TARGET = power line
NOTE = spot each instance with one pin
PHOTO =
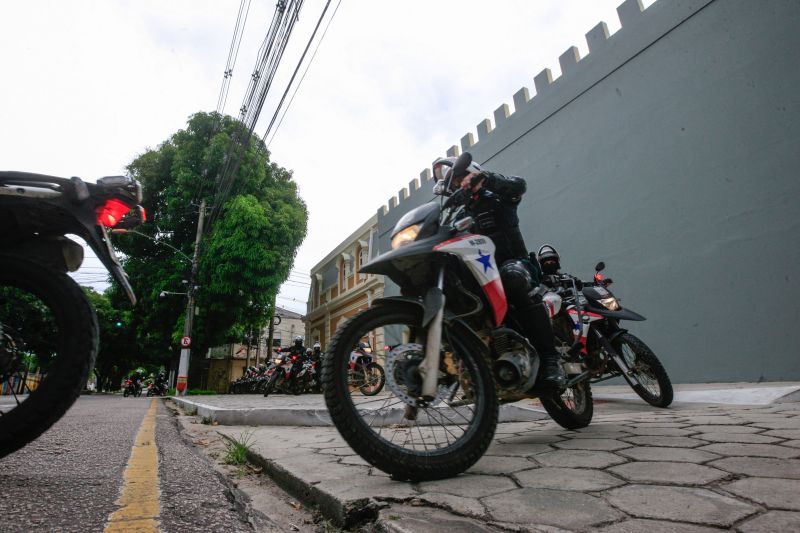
(233, 53)
(299, 63)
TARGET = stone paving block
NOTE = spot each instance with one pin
(516, 427)
(345, 450)
(567, 479)
(659, 431)
(788, 423)
(750, 450)
(716, 420)
(760, 466)
(490, 464)
(457, 504)
(660, 440)
(773, 492)
(569, 510)
(517, 450)
(344, 489)
(666, 472)
(746, 438)
(469, 485)
(791, 443)
(654, 526)
(530, 438)
(783, 433)
(354, 460)
(608, 435)
(602, 428)
(578, 459)
(771, 522)
(679, 455)
(408, 519)
(724, 429)
(608, 445)
(662, 424)
(695, 505)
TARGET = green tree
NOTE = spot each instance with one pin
(118, 351)
(244, 256)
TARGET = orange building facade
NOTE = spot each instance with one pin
(338, 291)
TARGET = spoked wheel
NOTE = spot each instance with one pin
(47, 322)
(573, 408)
(370, 379)
(655, 386)
(396, 431)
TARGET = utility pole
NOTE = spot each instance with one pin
(186, 352)
(271, 329)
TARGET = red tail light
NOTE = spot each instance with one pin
(111, 212)
(598, 277)
(387, 348)
(294, 358)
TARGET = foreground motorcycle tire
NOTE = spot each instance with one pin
(573, 408)
(372, 391)
(401, 463)
(645, 362)
(76, 323)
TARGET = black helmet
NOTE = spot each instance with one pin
(549, 259)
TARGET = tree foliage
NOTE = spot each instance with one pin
(118, 350)
(244, 256)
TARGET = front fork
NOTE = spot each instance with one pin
(618, 359)
(429, 367)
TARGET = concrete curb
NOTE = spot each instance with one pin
(310, 417)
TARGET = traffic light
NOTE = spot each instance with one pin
(118, 323)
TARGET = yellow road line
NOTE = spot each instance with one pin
(139, 501)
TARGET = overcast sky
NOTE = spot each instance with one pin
(89, 85)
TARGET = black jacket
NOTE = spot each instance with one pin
(494, 208)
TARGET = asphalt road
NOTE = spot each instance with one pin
(71, 477)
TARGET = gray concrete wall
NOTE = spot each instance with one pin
(672, 152)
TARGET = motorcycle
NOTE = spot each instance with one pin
(456, 352)
(586, 315)
(279, 376)
(131, 388)
(45, 318)
(157, 389)
(364, 373)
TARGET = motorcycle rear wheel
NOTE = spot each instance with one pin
(375, 428)
(573, 408)
(76, 331)
(655, 386)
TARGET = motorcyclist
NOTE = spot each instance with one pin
(137, 379)
(491, 199)
(161, 383)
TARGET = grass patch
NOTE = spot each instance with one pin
(200, 392)
(237, 448)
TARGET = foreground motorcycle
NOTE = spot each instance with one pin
(45, 318)
(456, 353)
(606, 349)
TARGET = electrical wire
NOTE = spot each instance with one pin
(299, 64)
(233, 53)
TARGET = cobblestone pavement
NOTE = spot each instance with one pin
(689, 470)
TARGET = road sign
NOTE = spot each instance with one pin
(186, 342)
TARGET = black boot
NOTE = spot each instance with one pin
(536, 323)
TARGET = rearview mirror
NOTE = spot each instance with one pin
(599, 266)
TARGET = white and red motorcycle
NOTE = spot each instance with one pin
(456, 352)
(586, 322)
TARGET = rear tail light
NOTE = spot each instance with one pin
(111, 212)
(598, 277)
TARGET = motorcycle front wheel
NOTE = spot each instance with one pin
(654, 386)
(573, 408)
(374, 379)
(394, 431)
(45, 321)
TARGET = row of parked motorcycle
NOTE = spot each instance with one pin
(135, 385)
(295, 370)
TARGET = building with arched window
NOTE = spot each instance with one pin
(338, 290)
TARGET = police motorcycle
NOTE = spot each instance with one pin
(365, 375)
(46, 319)
(586, 322)
(455, 356)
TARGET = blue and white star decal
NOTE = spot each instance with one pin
(485, 260)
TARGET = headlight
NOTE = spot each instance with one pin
(406, 236)
(610, 303)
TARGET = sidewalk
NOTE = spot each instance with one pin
(693, 468)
